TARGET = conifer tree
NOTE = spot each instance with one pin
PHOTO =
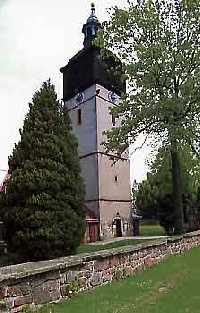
(43, 202)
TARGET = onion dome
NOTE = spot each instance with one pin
(91, 27)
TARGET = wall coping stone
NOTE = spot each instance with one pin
(20, 271)
(15, 272)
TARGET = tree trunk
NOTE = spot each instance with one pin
(177, 190)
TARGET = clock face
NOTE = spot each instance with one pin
(79, 97)
(112, 97)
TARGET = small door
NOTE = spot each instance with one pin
(118, 228)
(93, 232)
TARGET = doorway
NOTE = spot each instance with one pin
(118, 227)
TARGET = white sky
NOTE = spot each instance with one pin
(37, 37)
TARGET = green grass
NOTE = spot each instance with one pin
(93, 248)
(151, 230)
(145, 230)
(169, 287)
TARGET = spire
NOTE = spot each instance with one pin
(91, 27)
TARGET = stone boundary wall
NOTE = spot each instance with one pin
(46, 281)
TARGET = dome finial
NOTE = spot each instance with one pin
(93, 8)
(91, 27)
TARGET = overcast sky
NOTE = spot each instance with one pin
(37, 37)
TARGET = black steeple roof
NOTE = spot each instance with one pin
(88, 67)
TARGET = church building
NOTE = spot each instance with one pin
(90, 87)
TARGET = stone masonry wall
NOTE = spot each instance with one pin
(46, 281)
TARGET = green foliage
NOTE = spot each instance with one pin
(151, 230)
(158, 43)
(44, 196)
(72, 287)
(166, 213)
(146, 198)
(154, 195)
(118, 273)
(160, 168)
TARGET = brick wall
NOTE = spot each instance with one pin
(46, 281)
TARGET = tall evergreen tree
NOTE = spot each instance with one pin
(44, 196)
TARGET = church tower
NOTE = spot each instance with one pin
(90, 87)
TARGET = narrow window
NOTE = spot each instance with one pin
(113, 120)
(116, 179)
(79, 117)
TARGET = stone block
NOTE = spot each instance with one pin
(17, 309)
(64, 291)
(3, 292)
(107, 276)
(72, 275)
(46, 292)
(19, 301)
(88, 265)
(102, 265)
(14, 291)
(41, 279)
(149, 261)
(114, 261)
(21, 289)
(96, 279)
(9, 302)
(63, 278)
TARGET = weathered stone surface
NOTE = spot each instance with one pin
(88, 274)
(46, 292)
(64, 290)
(114, 261)
(10, 303)
(13, 291)
(149, 261)
(96, 279)
(17, 309)
(19, 301)
(88, 265)
(72, 275)
(3, 292)
(102, 265)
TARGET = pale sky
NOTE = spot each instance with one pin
(37, 37)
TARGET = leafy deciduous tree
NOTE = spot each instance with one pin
(155, 193)
(159, 44)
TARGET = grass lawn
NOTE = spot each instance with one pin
(93, 248)
(151, 230)
(170, 287)
(145, 230)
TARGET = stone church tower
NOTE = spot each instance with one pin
(89, 90)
